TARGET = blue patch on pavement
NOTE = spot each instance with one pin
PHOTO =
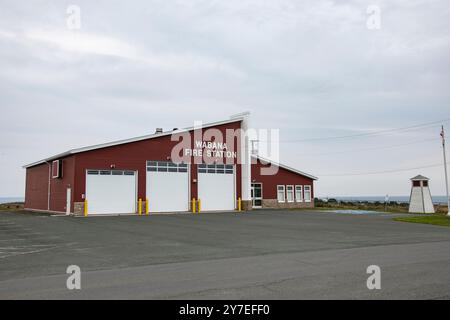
(357, 212)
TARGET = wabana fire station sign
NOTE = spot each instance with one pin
(210, 149)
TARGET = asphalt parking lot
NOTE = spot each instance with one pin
(257, 255)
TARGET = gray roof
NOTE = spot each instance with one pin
(236, 118)
(419, 177)
(285, 167)
(146, 137)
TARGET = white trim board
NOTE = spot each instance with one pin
(267, 161)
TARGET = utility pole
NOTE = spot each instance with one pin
(445, 169)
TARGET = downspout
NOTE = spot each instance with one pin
(48, 188)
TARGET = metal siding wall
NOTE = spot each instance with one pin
(36, 187)
(283, 177)
(36, 190)
(133, 156)
(59, 187)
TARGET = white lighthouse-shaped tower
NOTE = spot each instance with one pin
(420, 200)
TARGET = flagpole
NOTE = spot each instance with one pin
(445, 169)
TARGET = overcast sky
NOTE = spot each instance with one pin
(313, 69)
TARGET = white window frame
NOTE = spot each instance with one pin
(216, 168)
(56, 163)
(299, 191)
(284, 193)
(309, 191)
(166, 166)
(290, 188)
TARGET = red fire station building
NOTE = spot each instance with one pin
(167, 169)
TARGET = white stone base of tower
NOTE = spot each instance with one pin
(420, 201)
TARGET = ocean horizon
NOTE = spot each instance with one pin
(11, 199)
(400, 199)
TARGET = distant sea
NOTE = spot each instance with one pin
(11, 199)
(399, 199)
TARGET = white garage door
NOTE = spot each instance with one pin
(167, 186)
(111, 191)
(216, 188)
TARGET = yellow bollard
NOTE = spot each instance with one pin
(239, 204)
(199, 204)
(193, 205)
(140, 206)
(146, 206)
(85, 207)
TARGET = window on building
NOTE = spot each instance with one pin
(216, 168)
(166, 166)
(290, 193)
(307, 193)
(281, 194)
(299, 193)
(425, 183)
(57, 169)
(416, 183)
(110, 172)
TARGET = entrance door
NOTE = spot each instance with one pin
(257, 195)
(111, 191)
(216, 187)
(167, 186)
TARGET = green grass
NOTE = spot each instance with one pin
(377, 206)
(363, 206)
(438, 220)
